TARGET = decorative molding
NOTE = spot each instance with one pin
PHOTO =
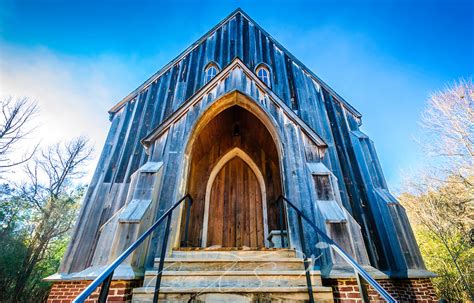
(206, 89)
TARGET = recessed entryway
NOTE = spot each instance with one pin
(234, 178)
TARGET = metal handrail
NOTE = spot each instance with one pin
(360, 272)
(105, 278)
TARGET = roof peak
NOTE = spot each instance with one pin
(234, 13)
(227, 72)
(238, 10)
(156, 75)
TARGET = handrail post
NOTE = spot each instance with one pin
(362, 288)
(107, 273)
(280, 221)
(189, 202)
(357, 268)
(307, 269)
(104, 290)
(162, 259)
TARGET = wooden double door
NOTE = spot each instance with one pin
(236, 210)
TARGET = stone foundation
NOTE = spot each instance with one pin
(403, 290)
(66, 291)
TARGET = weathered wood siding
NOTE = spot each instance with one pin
(239, 86)
(312, 100)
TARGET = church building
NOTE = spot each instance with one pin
(235, 174)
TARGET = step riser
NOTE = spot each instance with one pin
(231, 281)
(234, 266)
(238, 255)
(232, 276)
(320, 297)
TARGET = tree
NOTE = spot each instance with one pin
(439, 199)
(448, 123)
(442, 217)
(12, 248)
(15, 126)
(50, 198)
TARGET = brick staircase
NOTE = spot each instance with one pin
(232, 276)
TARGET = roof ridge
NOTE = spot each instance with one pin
(236, 11)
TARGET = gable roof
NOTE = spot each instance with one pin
(236, 63)
(168, 66)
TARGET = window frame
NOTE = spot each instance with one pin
(211, 65)
(332, 194)
(263, 66)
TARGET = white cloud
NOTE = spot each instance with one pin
(73, 93)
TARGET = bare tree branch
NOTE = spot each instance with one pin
(48, 189)
(15, 126)
(448, 123)
(440, 198)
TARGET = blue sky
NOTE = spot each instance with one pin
(78, 58)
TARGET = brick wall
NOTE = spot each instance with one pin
(403, 290)
(66, 291)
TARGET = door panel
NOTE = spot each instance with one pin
(235, 208)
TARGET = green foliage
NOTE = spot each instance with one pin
(37, 288)
(438, 260)
(36, 215)
(12, 252)
(18, 221)
(440, 198)
(442, 220)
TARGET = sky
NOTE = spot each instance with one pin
(77, 59)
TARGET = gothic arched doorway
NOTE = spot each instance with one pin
(234, 178)
(235, 212)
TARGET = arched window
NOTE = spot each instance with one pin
(211, 72)
(264, 74)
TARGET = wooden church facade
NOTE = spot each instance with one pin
(236, 121)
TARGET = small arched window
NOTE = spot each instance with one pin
(210, 72)
(264, 74)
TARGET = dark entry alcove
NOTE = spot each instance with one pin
(234, 162)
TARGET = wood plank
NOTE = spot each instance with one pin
(246, 205)
(230, 222)
(258, 214)
(253, 219)
(240, 208)
(235, 207)
(227, 207)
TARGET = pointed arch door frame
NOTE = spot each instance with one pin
(235, 152)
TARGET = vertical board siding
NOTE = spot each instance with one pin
(236, 37)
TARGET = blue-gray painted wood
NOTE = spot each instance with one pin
(387, 235)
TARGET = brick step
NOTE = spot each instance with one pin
(233, 294)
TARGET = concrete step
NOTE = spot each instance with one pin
(255, 278)
(224, 275)
(263, 254)
(234, 264)
(233, 294)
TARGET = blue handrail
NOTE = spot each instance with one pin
(357, 268)
(105, 277)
